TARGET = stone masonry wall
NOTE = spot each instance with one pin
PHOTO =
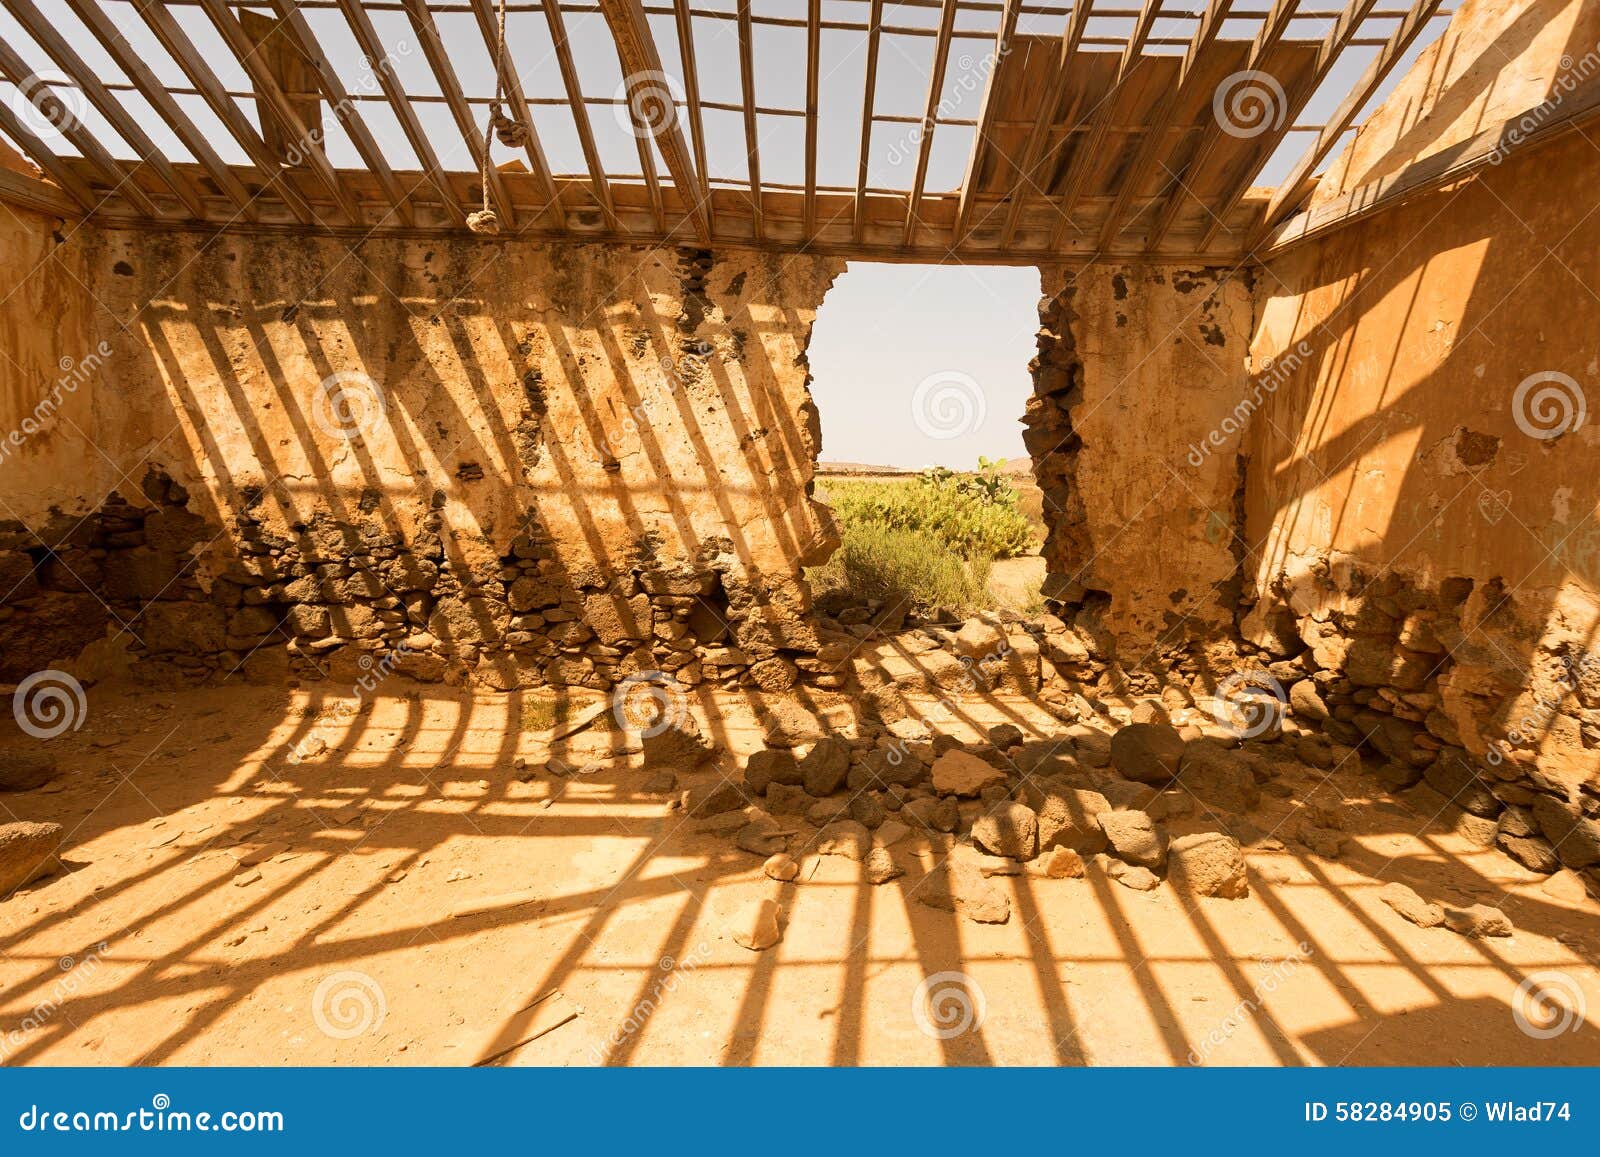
(508, 463)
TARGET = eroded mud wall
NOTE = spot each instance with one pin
(1139, 370)
(509, 463)
(1423, 487)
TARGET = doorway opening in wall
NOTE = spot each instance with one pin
(920, 375)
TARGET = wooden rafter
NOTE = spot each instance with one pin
(1267, 37)
(346, 111)
(641, 63)
(538, 164)
(813, 86)
(1032, 152)
(986, 118)
(1291, 189)
(691, 93)
(941, 60)
(119, 183)
(44, 32)
(54, 167)
(1174, 99)
(477, 142)
(1088, 157)
(752, 135)
(267, 169)
(275, 104)
(580, 111)
(372, 48)
(873, 36)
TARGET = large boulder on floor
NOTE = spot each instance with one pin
(1068, 816)
(677, 747)
(1404, 900)
(959, 885)
(1134, 838)
(931, 814)
(1218, 777)
(1010, 830)
(1207, 864)
(824, 767)
(845, 838)
(1576, 836)
(768, 766)
(711, 799)
(27, 851)
(789, 724)
(1147, 752)
(24, 770)
(958, 772)
(979, 638)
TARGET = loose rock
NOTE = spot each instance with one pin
(781, 867)
(881, 868)
(1010, 830)
(27, 851)
(1134, 838)
(961, 773)
(756, 926)
(844, 838)
(1147, 752)
(1207, 864)
(23, 770)
(1413, 907)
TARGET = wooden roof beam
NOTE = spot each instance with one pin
(813, 99)
(477, 141)
(44, 32)
(54, 167)
(580, 112)
(1290, 190)
(752, 135)
(941, 61)
(538, 165)
(986, 118)
(691, 92)
(641, 66)
(874, 34)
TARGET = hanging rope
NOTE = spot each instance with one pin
(510, 132)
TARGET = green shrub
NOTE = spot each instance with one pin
(910, 566)
(968, 515)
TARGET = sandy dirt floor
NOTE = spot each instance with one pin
(261, 876)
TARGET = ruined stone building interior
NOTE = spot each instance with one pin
(410, 522)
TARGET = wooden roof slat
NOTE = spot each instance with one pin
(691, 92)
(1174, 99)
(110, 107)
(987, 114)
(1290, 190)
(344, 109)
(270, 173)
(874, 35)
(1038, 136)
(813, 92)
(477, 141)
(538, 164)
(641, 63)
(941, 61)
(752, 135)
(366, 35)
(54, 166)
(119, 183)
(278, 106)
(580, 112)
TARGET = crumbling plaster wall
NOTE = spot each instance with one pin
(1138, 366)
(1426, 530)
(506, 462)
